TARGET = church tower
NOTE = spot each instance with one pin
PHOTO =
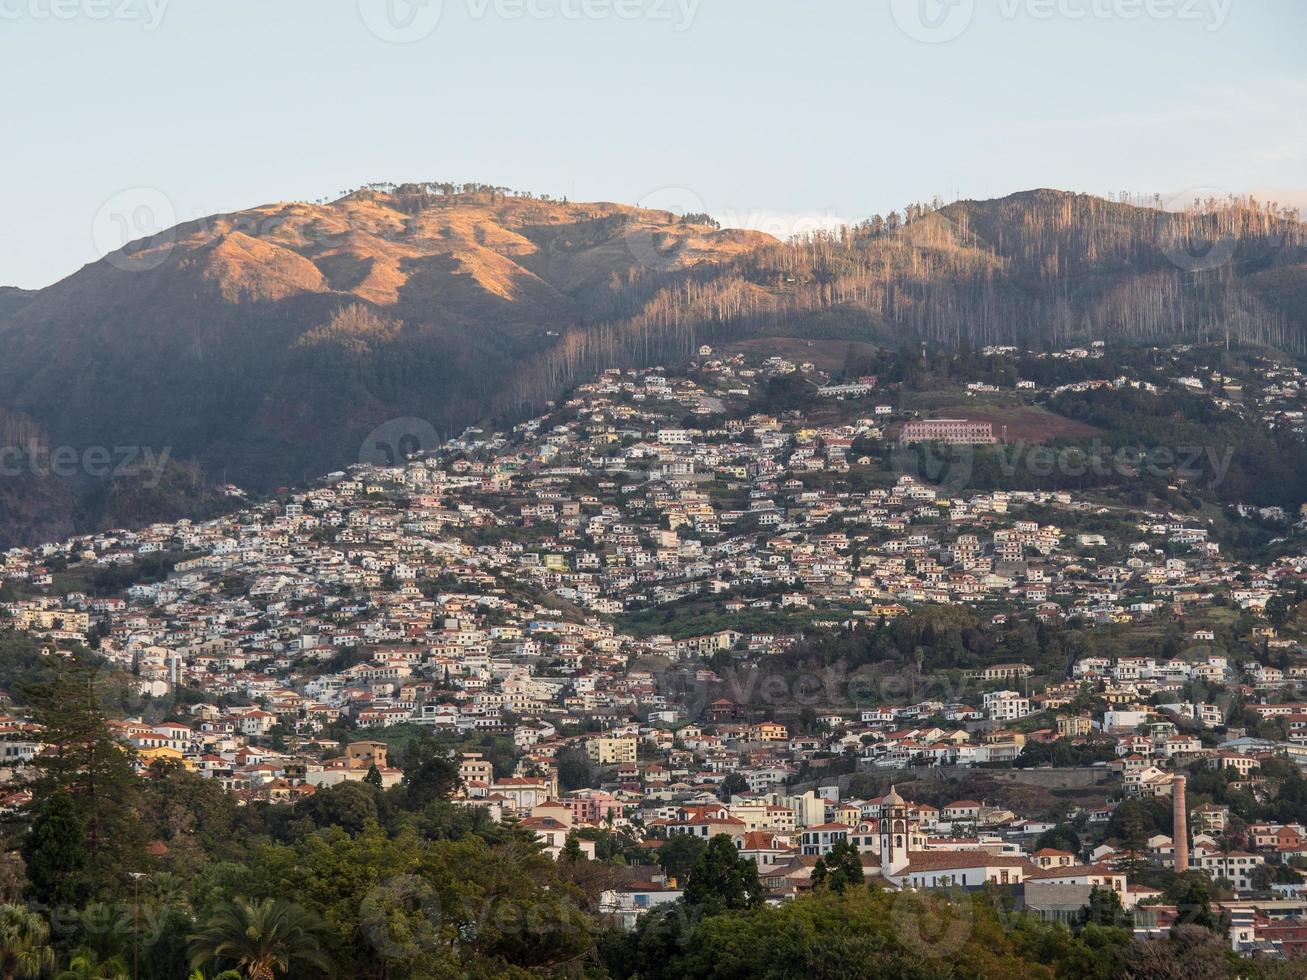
(896, 833)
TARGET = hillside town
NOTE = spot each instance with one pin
(674, 514)
(607, 614)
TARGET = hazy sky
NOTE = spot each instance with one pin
(123, 114)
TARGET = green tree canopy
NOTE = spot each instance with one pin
(722, 880)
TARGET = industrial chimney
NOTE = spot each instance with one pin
(1179, 825)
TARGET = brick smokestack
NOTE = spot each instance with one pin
(1179, 825)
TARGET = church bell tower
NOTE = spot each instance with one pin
(895, 833)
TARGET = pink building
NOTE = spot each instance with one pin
(593, 807)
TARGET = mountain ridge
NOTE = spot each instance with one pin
(265, 344)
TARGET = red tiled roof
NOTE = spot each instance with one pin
(949, 860)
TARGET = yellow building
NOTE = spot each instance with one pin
(1073, 726)
(161, 753)
(611, 751)
(771, 731)
(49, 619)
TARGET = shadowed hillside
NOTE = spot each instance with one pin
(265, 345)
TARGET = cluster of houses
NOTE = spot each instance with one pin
(510, 586)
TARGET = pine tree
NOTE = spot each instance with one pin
(840, 869)
(1104, 909)
(721, 880)
(92, 770)
(1193, 901)
(54, 852)
(572, 850)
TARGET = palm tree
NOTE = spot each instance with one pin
(105, 931)
(168, 890)
(86, 965)
(263, 938)
(23, 943)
